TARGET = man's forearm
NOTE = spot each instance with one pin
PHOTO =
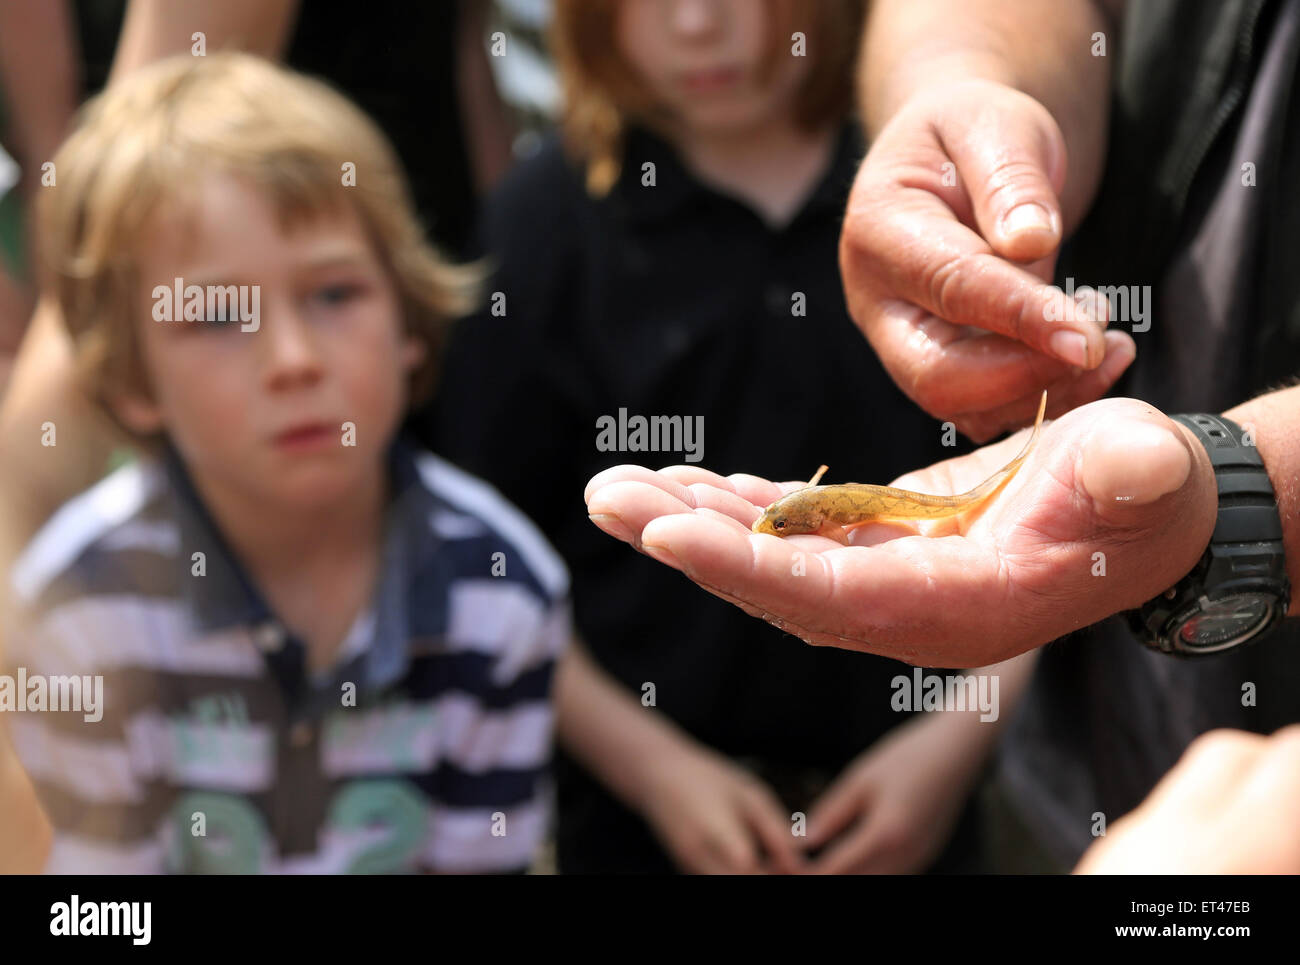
(1275, 421)
(1042, 49)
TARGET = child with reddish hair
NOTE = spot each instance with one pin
(672, 259)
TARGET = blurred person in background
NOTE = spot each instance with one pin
(288, 607)
(1158, 141)
(674, 255)
(53, 54)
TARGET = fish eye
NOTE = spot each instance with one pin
(779, 524)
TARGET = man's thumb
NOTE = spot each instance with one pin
(1132, 460)
(1013, 169)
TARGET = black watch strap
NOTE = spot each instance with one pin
(1247, 504)
(1246, 553)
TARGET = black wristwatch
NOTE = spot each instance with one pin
(1238, 591)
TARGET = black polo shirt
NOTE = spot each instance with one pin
(674, 299)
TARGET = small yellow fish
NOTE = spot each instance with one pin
(830, 509)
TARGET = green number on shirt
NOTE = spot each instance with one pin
(235, 835)
(236, 838)
(395, 806)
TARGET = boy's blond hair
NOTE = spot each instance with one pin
(142, 143)
(603, 92)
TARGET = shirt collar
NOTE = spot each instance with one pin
(225, 598)
(676, 187)
(832, 191)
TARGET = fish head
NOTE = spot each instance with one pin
(789, 517)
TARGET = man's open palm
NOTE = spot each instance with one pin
(1115, 478)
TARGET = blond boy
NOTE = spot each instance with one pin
(320, 649)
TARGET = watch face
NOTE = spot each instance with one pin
(1225, 623)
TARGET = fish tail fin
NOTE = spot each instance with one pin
(1003, 474)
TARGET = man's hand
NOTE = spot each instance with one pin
(1114, 506)
(1227, 808)
(947, 253)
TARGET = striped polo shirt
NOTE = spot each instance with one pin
(426, 746)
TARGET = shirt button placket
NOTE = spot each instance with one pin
(777, 298)
(269, 637)
(301, 734)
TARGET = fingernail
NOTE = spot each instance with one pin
(662, 554)
(1148, 443)
(1133, 464)
(1070, 347)
(1093, 308)
(1030, 216)
(614, 526)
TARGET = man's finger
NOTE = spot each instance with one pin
(947, 371)
(879, 597)
(1066, 393)
(945, 268)
(632, 473)
(1012, 165)
(692, 475)
(724, 502)
(1130, 463)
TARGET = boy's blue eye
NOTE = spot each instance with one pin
(337, 294)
